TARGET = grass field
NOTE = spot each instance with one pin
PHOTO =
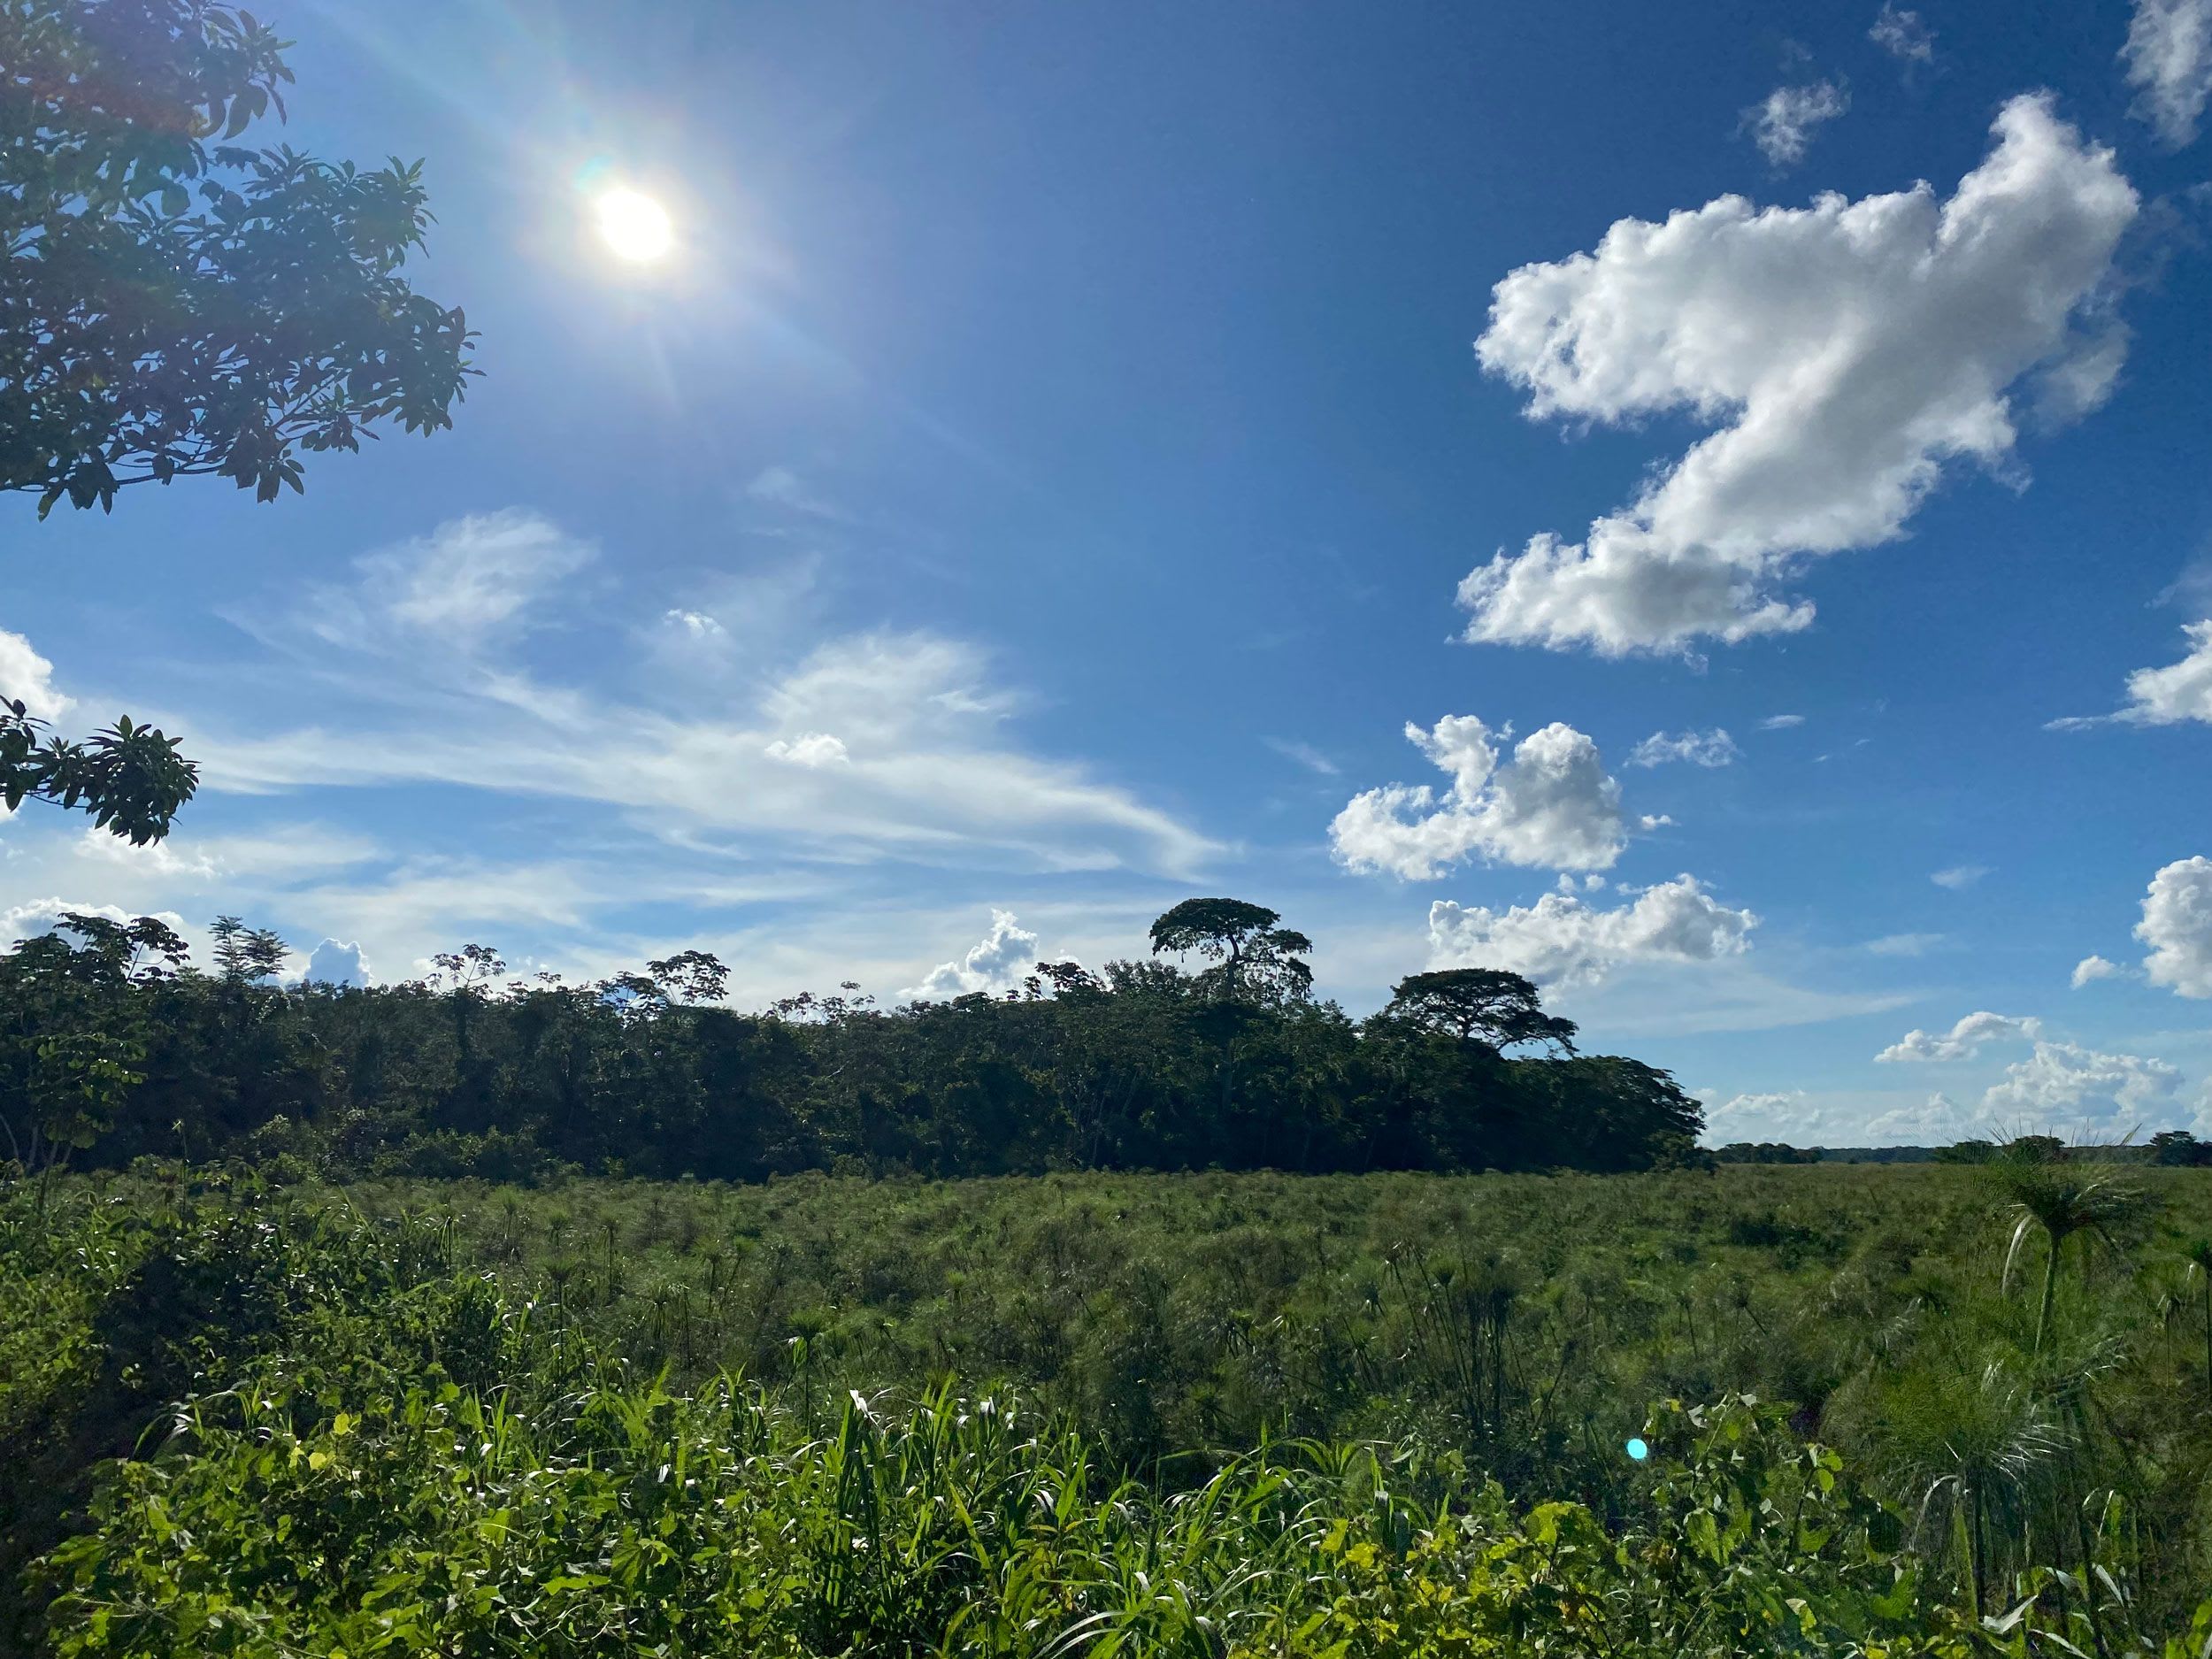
(1234, 1336)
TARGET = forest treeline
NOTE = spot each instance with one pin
(1211, 1053)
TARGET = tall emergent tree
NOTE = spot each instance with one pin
(173, 303)
(1486, 1005)
(1252, 956)
(1256, 964)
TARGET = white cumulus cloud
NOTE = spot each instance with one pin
(1845, 351)
(337, 962)
(1964, 1041)
(2168, 58)
(2177, 925)
(994, 964)
(696, 625)
(36, 917)
(1938, 1121)
(2063, 1083)
(28, 679)
(1709, 749)
(2091, 968)
(2163, 696)
(1782, 124)
(1790, 1116)
(808, 749)
(1810, 1119)
(1561, 940)
(1551, 805)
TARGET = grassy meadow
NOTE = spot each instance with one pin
(1100, 1413)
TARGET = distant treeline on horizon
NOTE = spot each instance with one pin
(2171, 1147)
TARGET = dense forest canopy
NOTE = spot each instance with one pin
(113, 1046)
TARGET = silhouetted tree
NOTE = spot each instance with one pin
(2178, 1148)
(1253, 957)
(244, 955)
(691, 976)
(1486, 1005)
(1255, 963)
(131, 779)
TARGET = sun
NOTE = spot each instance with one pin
(634, 225)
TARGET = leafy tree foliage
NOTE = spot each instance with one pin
(691, 976)
(131, 780)
(74, 1031)
(2179, 1149)
(1765, 1152)
(1481, 1004)
(173, 303)
(1252, 957)
(244, 956)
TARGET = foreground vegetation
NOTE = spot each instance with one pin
(1205, 1414)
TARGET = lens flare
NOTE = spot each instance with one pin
(634, 225)
(1637, 1449)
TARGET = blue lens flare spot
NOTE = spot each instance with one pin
(1637, 1450)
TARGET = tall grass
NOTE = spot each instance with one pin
(1250, 1414)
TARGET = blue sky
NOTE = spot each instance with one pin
(1068, 448)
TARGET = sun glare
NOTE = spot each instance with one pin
(634, 225)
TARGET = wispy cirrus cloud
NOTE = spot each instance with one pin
(885, 743)
(1304, 755)
(1783, 123)
(1709, 749)
(779, 486)
(2168, 58)
(469, 582)
(1903, 35)
(1904, 944)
